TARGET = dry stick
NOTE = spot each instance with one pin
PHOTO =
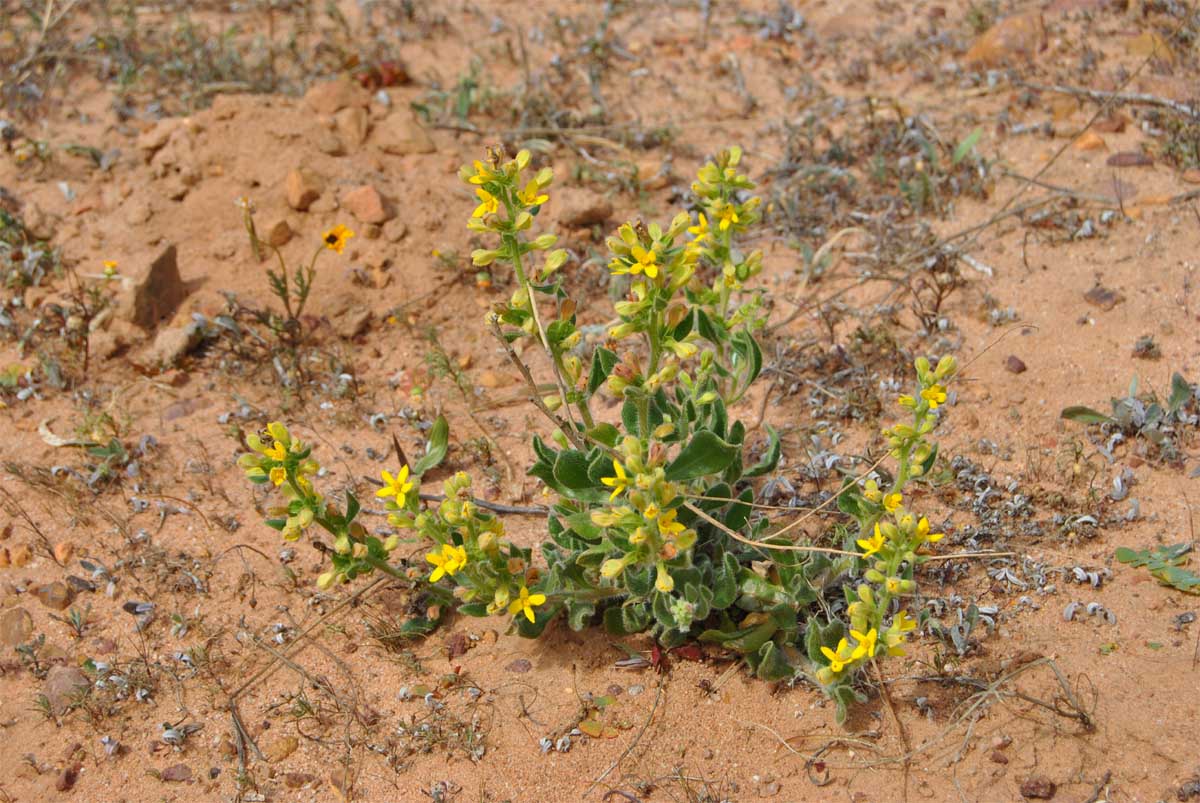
(569, 431)
(1136, 98)
(298, 643)
(887, 699)
(624, 753)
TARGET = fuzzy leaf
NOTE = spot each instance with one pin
(1084, 415)
(435, 448)
(705, 454)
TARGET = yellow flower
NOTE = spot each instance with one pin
(700, 230)
(525, 603)
(668, 526)
(866, 643)
(894, 637)
(894, 585)
(663, 581)
(397, 486)
(907, 402)
(873, 544)
(839, 659)
(924, 534)
(447, 562)
(619, 482)
(483, 174)
(276, 452)
(892, 501)
(646, 262)
(532, 195)
(871, 491)
(728, 216)
(488, 204)
(110, 269)
(278, 475)
(335, 239)
(935, 395)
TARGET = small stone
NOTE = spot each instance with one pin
(227, 749)
(1016, 38)
(366, 204)
(63, 687)
(998, 757)
(1129, 159)
(303, 187)
(654, 175)
(171, 346)
(1014, 365)
(278, 749)
(63, 551)
(1090, 141)
(20, 555)
(150, 293)
(279, 233)
(1102, 297)
(395, 230)
(16, 627)
(296, 780)
(520, 666)
(330, 97)
(1191, 175)
(489, 380)
(1038, 788)
(457, 645)
(55, 596)
(37, 223)
(177, 773)
(329, 144)
(1113, 123)
(67, 778)
(352, 125)
(587, 212)
(399, 134)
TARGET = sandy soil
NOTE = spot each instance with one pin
(240, 636)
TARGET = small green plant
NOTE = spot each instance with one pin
(1146, 417)
(652, 527)
(76, 619)
(1165, 563)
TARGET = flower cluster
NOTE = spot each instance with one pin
(644, 528)
(490, 574)
(285, 463)
(892, 538)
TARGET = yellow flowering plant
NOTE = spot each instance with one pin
(291, 288)
(651, 528)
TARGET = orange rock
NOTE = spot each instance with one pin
(1191, 176)
(1015, 38)
(1090, 141)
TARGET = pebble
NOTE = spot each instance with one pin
(278, 749)
(1038, 788)
(1014, 364)
(366, 204)
(302, 188)
(16, 627)
(63, 686)
(55, 596)
(177, 773)
(521, 666)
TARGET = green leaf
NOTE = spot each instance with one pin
(435, 448)
(603, 361)
(571, 469)
(1084, 415)
(352, 507)
(769, 460)
(1181, 391)
(966, 146)
(605, 433)
(705, 454)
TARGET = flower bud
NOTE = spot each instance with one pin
(326, 580)
(544, 241)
